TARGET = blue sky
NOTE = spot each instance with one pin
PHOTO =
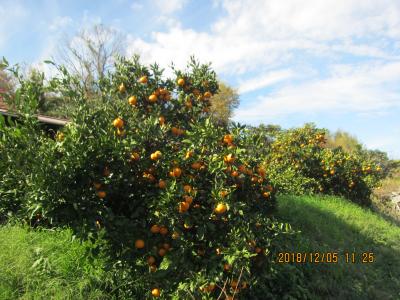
(334, 62)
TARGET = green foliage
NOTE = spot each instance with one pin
(126, 164)
(300, 163)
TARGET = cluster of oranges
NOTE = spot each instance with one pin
(173, 168)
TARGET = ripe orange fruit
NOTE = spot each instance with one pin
(187, 188)
(101, 194)
(135, 156)
(332, 172)
(122, 88)
(220, 208)
(181, 82)
(153, 98)
(266, 194)
(162, 252)
(139, 244)
(235, 174)
(155, 229)
(229, 158)
(227, 267)
(151, 260)
(188, 199)
(118, 123)
(163, 230)
(183, 207)
(132, 100)
(223, 193)
(258, 250)
(228, 139)
(207, 94)
(156, 155)
(176, 172)
(161, 120)
(196, 165)
(188, 154)
(97, 185)
(242, 168)
(156, 292)
(166, 246)
(143, 79)
(261, 171)
(162, 184)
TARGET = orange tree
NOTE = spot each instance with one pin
(298, 162)
(181, 201)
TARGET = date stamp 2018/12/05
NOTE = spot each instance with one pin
(325, 257)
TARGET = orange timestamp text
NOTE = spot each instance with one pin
(324, 257)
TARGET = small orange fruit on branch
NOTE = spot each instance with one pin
(156, 293)
(181, 82)
(143, 79)
(101, 194)
(132, 100)
(118, 123)
(220, 208)
(155, 229)
(153, 98)
(139, 244)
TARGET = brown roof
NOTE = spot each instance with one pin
(44, 119)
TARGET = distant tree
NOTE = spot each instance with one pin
(90, 54)
(348, 142)
(223, 103)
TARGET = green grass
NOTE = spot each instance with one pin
(330, 224)
(50, 264)
(44, 264)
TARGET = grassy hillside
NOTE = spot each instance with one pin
(47, 265)
(330, 224)
(52, 265)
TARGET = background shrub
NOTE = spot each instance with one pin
(300, 163)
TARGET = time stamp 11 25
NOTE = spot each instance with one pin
(325, 257)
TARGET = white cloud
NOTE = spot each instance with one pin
(59, 23)
(368, 88)
(264, 80)
(269, 33)
(11, 15)
(167, 7)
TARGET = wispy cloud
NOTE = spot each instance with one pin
(358, 88)
(264, 80)
(11, 14)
